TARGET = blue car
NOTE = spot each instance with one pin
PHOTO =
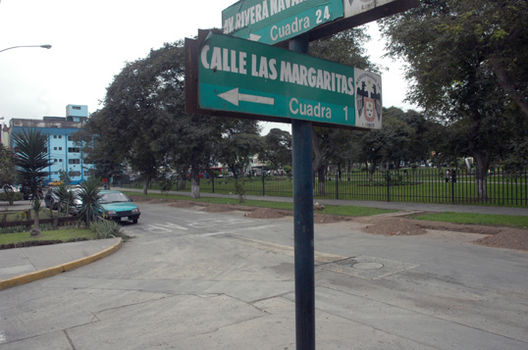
(116, 205)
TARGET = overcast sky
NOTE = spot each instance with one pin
(92, 41)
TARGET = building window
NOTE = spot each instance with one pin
(54, 136)
(75, 173)
(74, 161)
(54, 148)
(74, 149)
(60, 160)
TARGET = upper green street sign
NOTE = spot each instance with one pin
(273, 21)
(255, 80)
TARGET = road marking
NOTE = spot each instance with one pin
(212, 234)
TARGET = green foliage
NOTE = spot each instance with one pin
(7, 174)
(106, 229)
(464, 61)
(31, 158)
(240, 141)
(10, 196)
(89, 195)
(66, 198)
(277, 149)
(64, 235)
(477, 219)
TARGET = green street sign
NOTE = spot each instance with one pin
(265, 82)
(273, 21)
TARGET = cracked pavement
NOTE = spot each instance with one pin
(197, 280)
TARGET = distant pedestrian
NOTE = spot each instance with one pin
(447, 176)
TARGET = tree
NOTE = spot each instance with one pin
(196, 140)
(139, 111)
(89, 196)
(465, 64)
(144, 124)
(7, 172)
(277, 148)
(330, 144)
(31, 158)
(99, 147)
(241, 141)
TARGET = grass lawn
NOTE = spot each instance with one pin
(477, 219)
(349, 210)
(345, 210)
(64, 235)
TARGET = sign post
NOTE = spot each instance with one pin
(229, 76)
(303, 227)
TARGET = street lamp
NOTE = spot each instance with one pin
(46, 46)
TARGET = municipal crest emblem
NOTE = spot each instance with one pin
(368, 99)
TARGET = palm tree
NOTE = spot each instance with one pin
(66, 198)
(89, 196)
(31, 157)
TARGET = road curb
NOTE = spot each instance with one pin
(52, 271)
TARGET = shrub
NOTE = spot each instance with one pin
(106, 229)
(17, 196)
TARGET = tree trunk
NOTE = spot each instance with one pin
(146, 184)
(183, 182)
(35, 231)
(481, 176)
(321, 181)
(195, 181)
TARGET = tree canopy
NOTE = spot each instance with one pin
(466, 68)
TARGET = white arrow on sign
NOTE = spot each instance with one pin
(233, 96)
(254, 37)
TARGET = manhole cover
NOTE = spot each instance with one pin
(367, 266)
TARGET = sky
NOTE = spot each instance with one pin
(92, 41)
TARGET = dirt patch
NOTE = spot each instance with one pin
(507, 238)
(493, 236)
(267, 213)
(392, 226)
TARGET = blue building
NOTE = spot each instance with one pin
(65, 155)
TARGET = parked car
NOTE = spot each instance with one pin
(51, 199)
(77, 202)
(116, 205)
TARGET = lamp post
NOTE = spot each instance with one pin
(46, 46)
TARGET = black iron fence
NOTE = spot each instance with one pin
(425, 185)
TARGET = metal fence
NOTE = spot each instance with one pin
(425, 185)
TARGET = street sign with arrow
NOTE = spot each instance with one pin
(237, 76)
(273, 21)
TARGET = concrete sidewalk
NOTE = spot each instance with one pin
(478, 209)
(23, 265)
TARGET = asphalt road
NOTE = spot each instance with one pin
(199, 280)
